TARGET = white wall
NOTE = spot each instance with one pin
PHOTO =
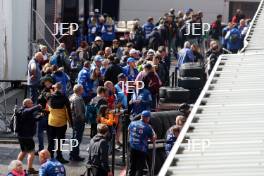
(14, 38)
(130, 9)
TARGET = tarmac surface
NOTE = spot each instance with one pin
(9, 147)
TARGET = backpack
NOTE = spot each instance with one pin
(90, 113)
(151, 82)
(16, 121)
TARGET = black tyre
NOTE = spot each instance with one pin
(163, 100)
(195, 94)
(191, 70)
(156, 125)
(162, 92)
(162, 121)
(190, 82)
(177, 95)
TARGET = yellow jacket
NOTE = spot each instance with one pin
(58, 117)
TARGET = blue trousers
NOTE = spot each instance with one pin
(42, 126)
(33, 93)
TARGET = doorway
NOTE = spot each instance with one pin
(248, 8)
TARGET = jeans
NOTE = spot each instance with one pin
(33, 93)
(42, 126)
(77, 133)
(55, 133)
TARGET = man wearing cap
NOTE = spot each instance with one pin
(134, 53)
(130, 70)
(97, 45)
(97, 62)
(139, 133)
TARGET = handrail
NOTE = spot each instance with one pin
(187, 125)
(47, 43)
(46, 26)
(251, 26)
(4, 94)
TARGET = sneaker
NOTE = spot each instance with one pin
(78, 159)
(32, 171)
(62, 160)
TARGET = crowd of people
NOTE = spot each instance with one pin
(102, 79)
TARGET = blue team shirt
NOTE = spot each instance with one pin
(170, 140)
(52, 168)
(145, 98)
(139, 133)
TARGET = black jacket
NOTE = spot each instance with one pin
(27, 124)
(112, 72)
(98, 152)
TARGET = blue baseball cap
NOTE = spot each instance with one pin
(131, 59)
(146, 114)
(98, 58)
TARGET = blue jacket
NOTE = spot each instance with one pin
(148, 28)
(224, 31)
(63, 78)
(108, 32)
(121, 97)
(130, 77)
(92, 32)
(144, 96)
(139, 133)
(52, 167)
(170, 140)
(233, 39)
(85, 80)
(185, 56)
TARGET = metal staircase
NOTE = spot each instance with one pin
(229, 115)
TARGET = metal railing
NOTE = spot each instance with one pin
(3, 115)
(251, 26)
(40, 32)
(187, 125)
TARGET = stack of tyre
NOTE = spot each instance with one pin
(191, 77)
(174, 95)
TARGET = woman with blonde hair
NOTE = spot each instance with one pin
(108, 32)
(16, 169)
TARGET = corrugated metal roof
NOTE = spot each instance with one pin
(228, 117)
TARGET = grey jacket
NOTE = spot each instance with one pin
(78, 109)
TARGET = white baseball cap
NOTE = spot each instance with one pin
(98, 38)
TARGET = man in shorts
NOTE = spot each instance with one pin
(26, 123)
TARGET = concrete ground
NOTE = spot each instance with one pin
(9, 148)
